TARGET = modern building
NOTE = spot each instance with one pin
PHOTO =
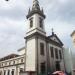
(69, 61)
(73, 37)
(41, 55)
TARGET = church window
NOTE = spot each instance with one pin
(60, 54)
(42, 48)
(56, 53)
(31, 22)
(43, 68)
(52, 53)
(41, 23)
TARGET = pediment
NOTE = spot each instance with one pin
(55, 38)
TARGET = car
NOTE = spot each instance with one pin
(58, 73)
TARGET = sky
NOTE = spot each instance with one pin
(60, 15)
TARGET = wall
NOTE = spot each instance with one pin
(30, 55)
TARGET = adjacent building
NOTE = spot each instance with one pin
(41, 55)
(73, 37)
(68, 59)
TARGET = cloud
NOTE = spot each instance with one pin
(63, 11)
(13, 14)
(60, 15)
(12, 35)
(13, 9)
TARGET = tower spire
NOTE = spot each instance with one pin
(35, 5)
(35, 9)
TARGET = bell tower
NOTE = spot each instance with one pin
(35, 19)
(35, 40)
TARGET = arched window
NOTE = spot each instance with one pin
(52, 52)
(41, 23)
(43, 68)
(56, 53)
(0, 72)
(42, 48)
(31, 22)
(60, 54)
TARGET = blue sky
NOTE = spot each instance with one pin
(60, 15)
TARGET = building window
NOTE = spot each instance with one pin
(21, 69)
(5, 63)
(21, 60)
(57, 66)
(60, 54)
(52, 53)
(0, 72)
(42, 48)
(13, 62)
(56, 53)
(31, 22)
(8, 72)
(9, 62)
(0, 64)
(4, 72)
(12, 72)
(43, 68)
(41, 23)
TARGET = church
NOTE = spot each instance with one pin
(41, 55)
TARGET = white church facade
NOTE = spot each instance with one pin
(42, 54)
